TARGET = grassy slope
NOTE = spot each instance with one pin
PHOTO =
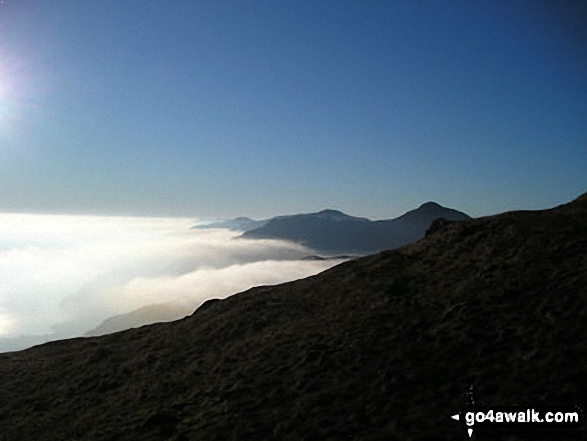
(380, 348)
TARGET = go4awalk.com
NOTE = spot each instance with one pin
(516, 419)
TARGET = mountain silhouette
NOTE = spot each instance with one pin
(384, 347)
(333, 232)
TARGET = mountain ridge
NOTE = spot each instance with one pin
(333, 232)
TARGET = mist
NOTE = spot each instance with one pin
(62, 276)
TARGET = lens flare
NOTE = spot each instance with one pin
(19, 94)
(8, 108)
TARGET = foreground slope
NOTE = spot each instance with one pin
(379, 348)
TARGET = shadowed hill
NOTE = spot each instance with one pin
(379, 348)
(333, 232)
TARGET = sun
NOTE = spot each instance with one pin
(8, 98)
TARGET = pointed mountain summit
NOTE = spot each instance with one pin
(333, 232)
(385, 347)
(430, 211)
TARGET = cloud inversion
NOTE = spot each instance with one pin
(61, 275)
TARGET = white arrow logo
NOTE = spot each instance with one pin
(456, 418)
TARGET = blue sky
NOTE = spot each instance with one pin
(260, 108)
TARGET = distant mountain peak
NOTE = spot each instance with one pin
(430, 204)
(243, 219)
(327, 214)
(332, 232)
(330, 211)
(237, 224)
(428, 212)
(333, 215)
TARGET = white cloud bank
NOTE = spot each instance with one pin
(61, 276)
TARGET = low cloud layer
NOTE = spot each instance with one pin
(62, 276)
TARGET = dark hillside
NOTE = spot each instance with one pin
(379, 348)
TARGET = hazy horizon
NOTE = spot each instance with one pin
(201, 219)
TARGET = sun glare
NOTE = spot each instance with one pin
(6, 110)
(15, 93)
